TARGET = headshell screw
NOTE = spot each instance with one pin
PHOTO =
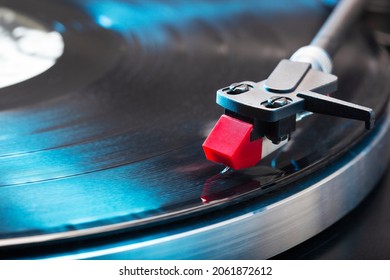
(238, 88)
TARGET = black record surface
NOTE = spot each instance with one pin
(112, 134)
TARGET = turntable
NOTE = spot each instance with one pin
(104, 109)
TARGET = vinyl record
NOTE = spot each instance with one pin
(101, 153)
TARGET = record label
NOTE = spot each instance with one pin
(27, 48)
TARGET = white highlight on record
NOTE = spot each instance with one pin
(25, 51)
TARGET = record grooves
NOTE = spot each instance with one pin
(107, 142)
